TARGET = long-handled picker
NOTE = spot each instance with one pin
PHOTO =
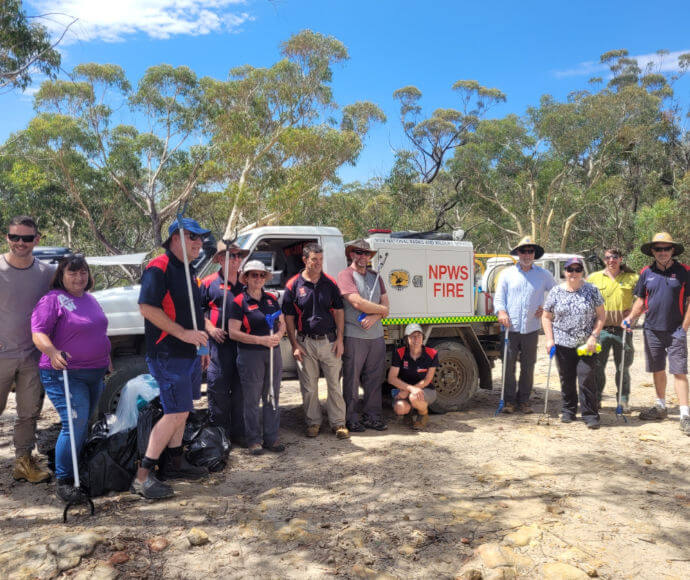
(544, 418)
(270, 320)
(502, 402)
(619, 406)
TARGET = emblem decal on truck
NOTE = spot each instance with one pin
(417, 281)
(399, 279)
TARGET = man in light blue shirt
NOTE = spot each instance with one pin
(518, 304)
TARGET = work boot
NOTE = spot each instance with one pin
(341, 432)
(373, 423)
(152, 488)
(525, 408)
(509, 408)
(27, 468)
(420, 422)
(655, 413)
(313, 430)
(179, 468)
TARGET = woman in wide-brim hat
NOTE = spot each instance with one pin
(662, 238)
(528, 242)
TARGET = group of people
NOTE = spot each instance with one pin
(333, 326)
(583, 320)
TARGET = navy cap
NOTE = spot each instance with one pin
(188, 224)
(573, 261)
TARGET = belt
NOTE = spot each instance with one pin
(314, 336)
(610, 328)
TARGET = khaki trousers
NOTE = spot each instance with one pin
(29, 397)
(319, 353)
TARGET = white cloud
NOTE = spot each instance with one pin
(114, 20)
(666, 63)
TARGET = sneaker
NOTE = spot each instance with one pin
(567, 418)
(313, 430)
(593, 424)
(374, 423)
(355, 427)
(509, 408)
(275, 447)
(685, 425)
(525, 408)
(655, 413)
(183, 470)
(256, 449)
(341, 432)
(151, 488)
(27, 468)
(420, 422)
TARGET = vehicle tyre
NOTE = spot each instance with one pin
(126, 368)
(457, 378)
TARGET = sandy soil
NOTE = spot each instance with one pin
(473, 496)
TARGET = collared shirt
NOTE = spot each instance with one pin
(520, 293)
(163, 285)
(252, 313)
(664, 293)
(414, 370)
(212, 289)
(312, 304)
(617, 293)
(352, 282)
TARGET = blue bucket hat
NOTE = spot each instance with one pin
(188, 224)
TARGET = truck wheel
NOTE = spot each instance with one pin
(456, 380)
(126, 368)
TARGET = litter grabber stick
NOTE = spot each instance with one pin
(502, 402)
(225, 291)
(544, 419)
(80, 497)
(382, 263)
(619, 407)
(200, 350)
(270, 320)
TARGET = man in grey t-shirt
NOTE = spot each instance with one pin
(23, 280)
(364, 357)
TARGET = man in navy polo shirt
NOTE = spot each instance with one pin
(225, 401)
(315, 321)
(171, 354)
(661, 293)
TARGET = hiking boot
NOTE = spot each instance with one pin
(355, 427)
(655, 413)
(151, 488)
(256, 449)
(525, 408)
(509, 408)
(373, 423)
(66, 491)
(341, 432)
(179, 468)
(420, 422)
(275, 447)
(27, 468)
(313, 430)
(567, 418)
(685, 425)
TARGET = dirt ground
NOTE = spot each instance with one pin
(472, 497)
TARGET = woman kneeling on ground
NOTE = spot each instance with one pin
(70, 328)
(411, 373)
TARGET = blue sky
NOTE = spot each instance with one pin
(526, 49)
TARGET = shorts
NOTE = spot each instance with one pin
(659, 343)
(429, 395)
(179, 380)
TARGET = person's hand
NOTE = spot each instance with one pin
(539, 312)
(504, 319)
(298, 353)
(369, 320)
(57, 361)
(591, 344)
(549, 345)
(627, 323)
(205, 361)
(270, 341)
(217, 334)
(338, 347)
(416, 394)
(196, 337)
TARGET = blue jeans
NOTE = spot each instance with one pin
(85, 387)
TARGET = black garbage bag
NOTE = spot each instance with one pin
(210, 448)
(148, 417)
(195, 422)
(108, 463)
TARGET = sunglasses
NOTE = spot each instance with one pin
(192, 236)
(28, 238)
(360, 252)
(256, 275)
(525, 250)
(234, 256)
(575, 269)
(612, 257)
(662, 248)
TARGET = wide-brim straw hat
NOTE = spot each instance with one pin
(223, 247)
(359, 245)
(252, 266)
(662, 238)
(528, 241)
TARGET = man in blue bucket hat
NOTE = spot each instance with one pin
(171, 354)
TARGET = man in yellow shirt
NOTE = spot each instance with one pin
(616, 283)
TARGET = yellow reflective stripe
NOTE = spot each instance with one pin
(438, 320)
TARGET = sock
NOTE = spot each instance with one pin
(661, 403)
(684, 411)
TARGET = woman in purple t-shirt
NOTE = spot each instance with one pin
(69, 327)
